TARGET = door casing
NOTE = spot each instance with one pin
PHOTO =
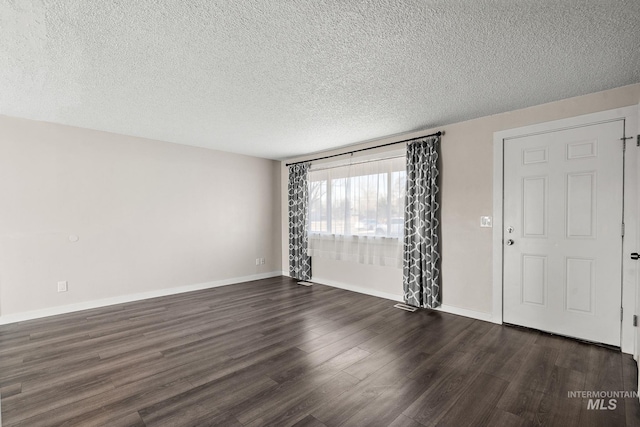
(629, 267)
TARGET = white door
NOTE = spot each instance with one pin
(563, 200)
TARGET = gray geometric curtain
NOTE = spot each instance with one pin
(299, 260)
(421, 252)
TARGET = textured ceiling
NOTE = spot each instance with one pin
(277, 79)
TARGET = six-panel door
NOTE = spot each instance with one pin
(563, 200)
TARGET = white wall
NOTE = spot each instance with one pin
(149, 215)
(467, 194)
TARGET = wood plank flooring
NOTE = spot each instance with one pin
(272, 353)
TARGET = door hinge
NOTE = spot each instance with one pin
(621, 318)
(638, 141)
(622, 229)
(635, 320)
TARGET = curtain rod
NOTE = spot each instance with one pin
(439, 133)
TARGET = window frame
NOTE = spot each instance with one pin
(328, 208)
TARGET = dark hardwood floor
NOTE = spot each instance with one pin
(274, 353)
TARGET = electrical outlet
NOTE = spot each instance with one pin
(62, 286)
(261, 261)
(257, 261)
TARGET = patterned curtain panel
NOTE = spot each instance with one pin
(421, 253)
(299, 260)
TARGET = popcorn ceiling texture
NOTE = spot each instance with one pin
(277, 79)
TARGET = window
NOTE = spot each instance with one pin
(356, 211)
(365, 199)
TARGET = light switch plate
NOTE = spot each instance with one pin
(486, 221)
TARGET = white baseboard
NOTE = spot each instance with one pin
(63, 309)
(478, 315)
(36, 314)
(359, 289)
(487, 317)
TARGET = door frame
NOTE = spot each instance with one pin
(636, 333)
(631, 217)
